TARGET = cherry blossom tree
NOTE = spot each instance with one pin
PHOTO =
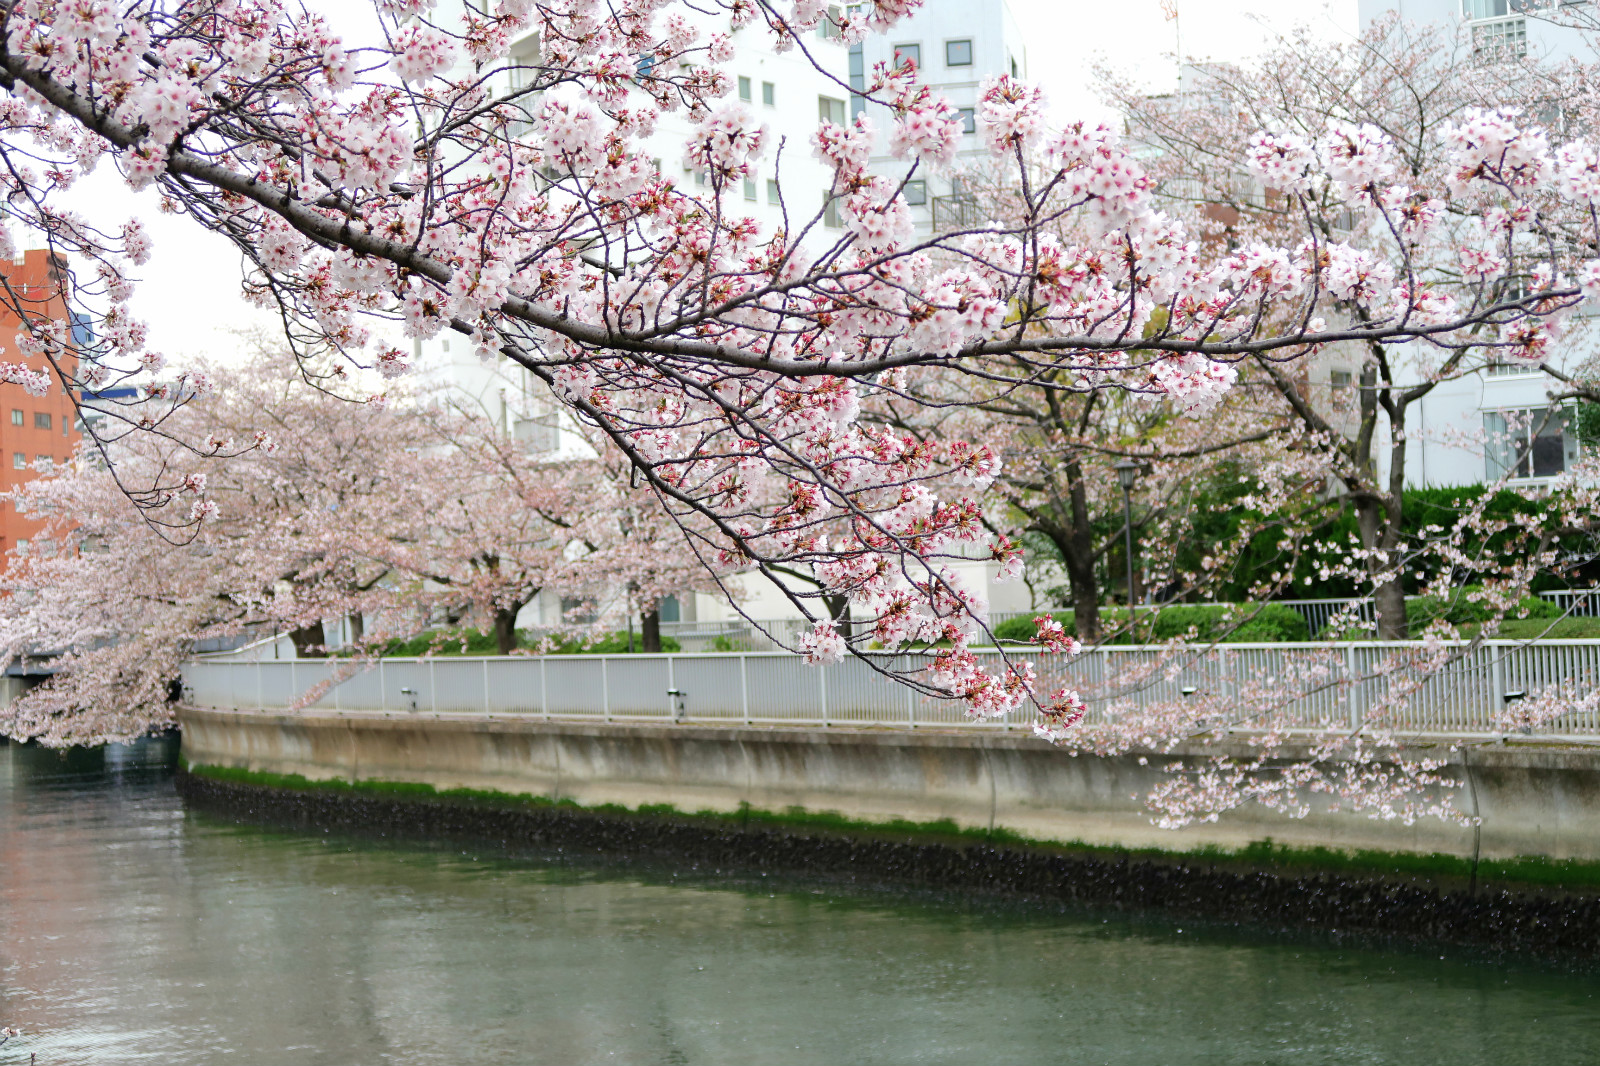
(386, 188)
(1410, 112)
(312, 507)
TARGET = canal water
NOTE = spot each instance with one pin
(133, 931)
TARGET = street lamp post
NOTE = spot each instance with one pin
(1127, 473)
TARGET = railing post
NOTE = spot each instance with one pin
(911, 707)
(605, 689)
(294, 680)
(822, 686)
(260, 699)
(672, 690)
(1351, 696)
(544, 688)
(383, 691)
(744, 687)
(433, 686)
(486, 711)
(1497, 680)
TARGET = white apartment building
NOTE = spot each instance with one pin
(955, 44)
(785, 92)
(1466, 430)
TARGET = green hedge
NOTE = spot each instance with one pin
(482, 642)
(1250, 623)
(1458, 609)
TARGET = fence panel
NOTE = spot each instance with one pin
(457, 686)
(1307, 686)
(574, 686)
(516, 685)
(784, 689)
(636, 686)
(712, 686)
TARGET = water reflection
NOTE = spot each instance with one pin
(131, 932)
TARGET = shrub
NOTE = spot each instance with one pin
(1020, 630)
(482, 642)
(1244, 624)
(609, 644)
(1458, 609)
(1250, 624)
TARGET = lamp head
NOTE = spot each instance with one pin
(1127, 472)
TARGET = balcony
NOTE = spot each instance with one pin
(957, 211)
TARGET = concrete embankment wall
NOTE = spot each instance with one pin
(1531, 800)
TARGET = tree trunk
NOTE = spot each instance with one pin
(839, 611)
(1085, 595)
(506, 637)
(650, 631)
(310, 642)
(1380, 533)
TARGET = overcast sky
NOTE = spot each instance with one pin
(190, 292)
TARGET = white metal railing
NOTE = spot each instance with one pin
(1311, 685)
(1580, 603)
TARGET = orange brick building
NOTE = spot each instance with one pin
(33, 429)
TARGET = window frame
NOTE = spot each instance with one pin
(769, 94)
(954, 41)
(1497, 452)
(915, 188)
(915, 46)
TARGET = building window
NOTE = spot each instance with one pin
(43, 462)
(669, 610)
(1014, 73)
(969, 119)
(916, 192)
(1497, 42)
(744, 89)
(828, 27)
(772, 192)
(858, 81)
(576, 610)
(22, 545)
(1500, 370)
(539, 433)
(1339, 379)
(19, 461)
(769, 94)
(830, 211)
(16, 417)
(958, 53)
(830, 110)
(41, 420)
(1527, 444)
(908, 53)
(750, 189)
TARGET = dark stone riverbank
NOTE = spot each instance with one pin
(1550, 924)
